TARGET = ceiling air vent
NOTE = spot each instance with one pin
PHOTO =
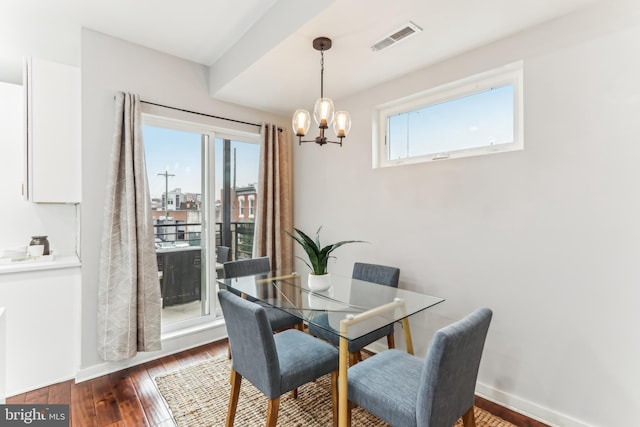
(401, 34)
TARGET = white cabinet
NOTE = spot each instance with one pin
(42, 327)
(3, 364)
(52, 101)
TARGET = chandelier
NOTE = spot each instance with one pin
(323, 111)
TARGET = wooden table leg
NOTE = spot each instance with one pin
(349, 320)
(407, 335)
(342, 384)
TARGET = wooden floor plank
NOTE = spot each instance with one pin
(60, 393)
(155, 367)
(131, 409)
(18, 399)
(83, 411)
(152, 402)
(202, 353)
(171, 363)
(38, 396)
(107, 410)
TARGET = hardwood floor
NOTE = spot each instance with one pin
(129, 398)
(124, 398)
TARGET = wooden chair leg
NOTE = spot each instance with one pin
(294, 393)
(391, 341)
(334, 396)
(350, 407)
(272, 412)
(353, 359)
(228, 352)
(236, 380)
(469, 418)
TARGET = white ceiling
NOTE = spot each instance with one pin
(260, 51)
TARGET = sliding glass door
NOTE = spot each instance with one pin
(203, 183)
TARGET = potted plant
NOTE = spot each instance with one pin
(318, 257)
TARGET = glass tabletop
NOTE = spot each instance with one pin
(345, 297)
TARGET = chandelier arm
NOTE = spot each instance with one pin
(335, 142)
(325, 141)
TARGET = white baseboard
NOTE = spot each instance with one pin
(171, 344)
(528, 408)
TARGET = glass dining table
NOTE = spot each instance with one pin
(350, 308)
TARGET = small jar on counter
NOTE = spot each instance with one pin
(40, 240)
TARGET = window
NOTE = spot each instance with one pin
(252, 206)
(478, 115)
(241, 205)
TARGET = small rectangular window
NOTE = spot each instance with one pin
(478, 115)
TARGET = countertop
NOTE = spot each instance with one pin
(62, 261)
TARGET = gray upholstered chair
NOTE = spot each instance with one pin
(247, 267)
(380, 274)
(274, 364)
(222, 254)
(278, 319)
(406, 391)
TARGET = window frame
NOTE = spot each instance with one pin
(510, 74)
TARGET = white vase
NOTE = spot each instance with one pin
(319, 282)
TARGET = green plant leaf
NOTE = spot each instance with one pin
(318, 255)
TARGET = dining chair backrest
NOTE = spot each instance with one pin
(380, 274)
(278, 319)
(252, 344)
(450, 372)
(247, 267)
(375, 273)
(222, 254)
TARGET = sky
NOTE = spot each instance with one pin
(179, 154)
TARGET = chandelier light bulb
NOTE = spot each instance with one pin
(323, 112)
(342, 124)
(301, 122)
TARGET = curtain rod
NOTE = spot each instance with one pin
(204, 114)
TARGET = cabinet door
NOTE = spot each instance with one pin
(53, 132)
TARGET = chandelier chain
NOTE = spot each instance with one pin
(322, 73)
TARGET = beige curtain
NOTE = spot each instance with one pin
(129, 306)
(275, 202)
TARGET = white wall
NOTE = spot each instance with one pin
(110, 65)
(547, 237)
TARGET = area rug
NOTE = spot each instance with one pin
(198, 396)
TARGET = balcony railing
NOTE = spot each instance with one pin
(177, 235)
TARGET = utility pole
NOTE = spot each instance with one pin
(166, 175)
